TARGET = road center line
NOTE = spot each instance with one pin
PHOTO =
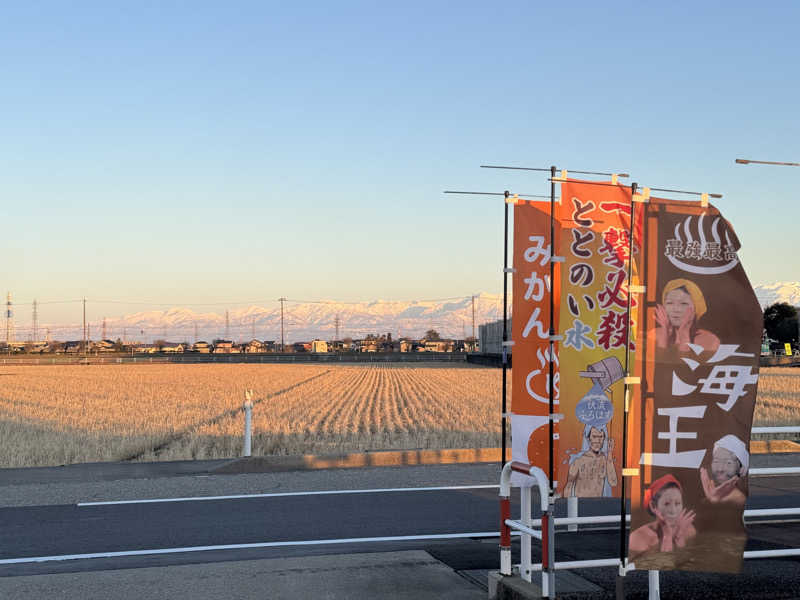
(286, 494)
(394, 538)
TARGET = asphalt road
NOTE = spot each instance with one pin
(283, 519)
(294, 519)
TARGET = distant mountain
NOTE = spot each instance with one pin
(305, 321)
(782, 291)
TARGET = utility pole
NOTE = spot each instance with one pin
(336, 323)
(104, 329)
(473, 318)
(283, 341)
(195, 332)
(747, 161)
(85, 331)
(9, 322)
(35, 322)
(253, 327)
(227, 325)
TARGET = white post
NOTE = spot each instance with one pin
(551, 546)
(572, 511)
(248, 422)
(525, 539)
(654, 592)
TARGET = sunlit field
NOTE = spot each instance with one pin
(52, 415)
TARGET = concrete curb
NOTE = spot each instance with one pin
(403, 458)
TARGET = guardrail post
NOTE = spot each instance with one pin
(525, 541)
(551, 545)
(248, 422)
(654, 592)
(505, 513)
(572, 511)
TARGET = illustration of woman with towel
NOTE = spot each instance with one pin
(682, 304)
(673, 527)
(728, 464)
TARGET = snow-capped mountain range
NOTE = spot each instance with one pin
(309, 320)
(782, 291)
(304, 321)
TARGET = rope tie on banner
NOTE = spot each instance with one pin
(643, 197)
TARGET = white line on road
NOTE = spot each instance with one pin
(285, 494)
(393, 538)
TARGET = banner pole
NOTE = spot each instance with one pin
(622, 528)
(505, 328)
(553, 253)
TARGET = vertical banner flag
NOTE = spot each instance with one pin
(690, 420)
(593, 320)
(530, 326)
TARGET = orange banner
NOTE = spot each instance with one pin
(690, 420)
(530, 395)
(593, 321)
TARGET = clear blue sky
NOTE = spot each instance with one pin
(204, 152)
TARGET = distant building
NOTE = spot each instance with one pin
(406, 345)
(73, 347)
(490, 336)
(253, 347)
(319, 346)
(202, 347)
(145, 348)
(173, 347)
(225, 347)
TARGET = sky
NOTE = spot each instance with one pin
(201, 154)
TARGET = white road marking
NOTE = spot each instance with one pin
(393, 538)
(285, 494)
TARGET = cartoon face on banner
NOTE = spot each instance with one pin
(694, 411)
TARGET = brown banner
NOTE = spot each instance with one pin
(530, 396)
(690, 421)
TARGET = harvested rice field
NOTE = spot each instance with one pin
(54, 415)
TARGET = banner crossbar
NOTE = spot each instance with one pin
(506, 193)
(547, 170)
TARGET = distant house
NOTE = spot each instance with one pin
(173, 347)
(370, 345)
(269, 346)
(253, 346)
(145, 348)
(302, 346)
(104, 346)
(319, 346)
(73, 347)
(225, 347)
(436, 346)
(201, 347)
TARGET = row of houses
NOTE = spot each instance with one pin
(231, 347)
